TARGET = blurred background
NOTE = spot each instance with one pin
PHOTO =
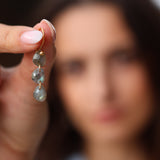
(19, 12)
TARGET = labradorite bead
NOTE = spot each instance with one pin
(39, 59)
(38, 75)
(40, 94)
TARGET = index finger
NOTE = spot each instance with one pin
(18, 39)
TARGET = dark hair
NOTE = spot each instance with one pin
(143, 18)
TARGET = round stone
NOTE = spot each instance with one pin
(39, 59)
(38, 75)
(40, 94)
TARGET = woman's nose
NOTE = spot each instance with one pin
(100, 84)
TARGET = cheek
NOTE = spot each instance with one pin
(136, 93)
(72, 94)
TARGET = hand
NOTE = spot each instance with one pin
(23, 120)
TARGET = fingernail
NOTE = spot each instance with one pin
(52, 28)
(31, 37)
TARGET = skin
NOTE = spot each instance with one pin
(97, 71)
(23, 120)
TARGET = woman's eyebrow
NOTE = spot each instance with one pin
(131, 50)
(66, 61)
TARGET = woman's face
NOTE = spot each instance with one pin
(104, 88)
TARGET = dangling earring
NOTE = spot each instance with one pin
(38, 76)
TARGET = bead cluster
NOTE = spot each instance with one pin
(39, 59)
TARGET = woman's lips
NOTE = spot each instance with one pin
(108, 115)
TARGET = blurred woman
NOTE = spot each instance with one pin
(104, 86)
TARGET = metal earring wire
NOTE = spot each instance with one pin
(38, 76)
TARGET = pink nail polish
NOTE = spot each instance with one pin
(31, 37)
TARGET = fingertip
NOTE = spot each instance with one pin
(51, 28)
(50, 25)
(31, 37)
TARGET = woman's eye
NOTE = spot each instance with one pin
(73, 67)
(124, 57)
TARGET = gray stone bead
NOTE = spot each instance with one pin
(40, 94)
(39, 59)
(38, 76)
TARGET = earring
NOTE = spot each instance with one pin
(38, 76)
